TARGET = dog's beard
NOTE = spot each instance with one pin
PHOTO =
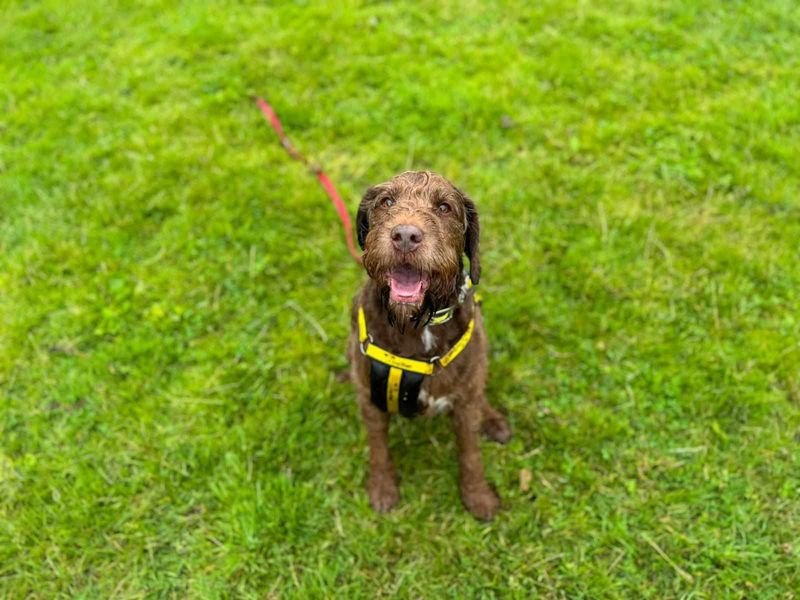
(402, 314)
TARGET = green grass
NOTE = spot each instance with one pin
(170, 423)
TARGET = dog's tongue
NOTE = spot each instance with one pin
(406, 285)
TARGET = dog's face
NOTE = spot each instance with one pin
(414, 230)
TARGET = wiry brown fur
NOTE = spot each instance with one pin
(398, 327)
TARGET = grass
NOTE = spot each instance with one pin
(174, 295)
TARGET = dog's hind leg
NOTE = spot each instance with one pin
(382, 483)
(493, 424)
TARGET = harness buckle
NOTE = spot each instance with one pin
(363, 345)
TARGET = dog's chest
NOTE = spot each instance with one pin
(433, 401)
(431, 405)
(428, 339)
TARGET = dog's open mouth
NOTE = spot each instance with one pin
(407, 285)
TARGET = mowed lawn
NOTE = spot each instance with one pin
(174, 297)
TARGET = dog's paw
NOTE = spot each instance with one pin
(496, 428)
(483, 503)
(383, 493)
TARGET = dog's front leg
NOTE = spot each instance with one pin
(476, 494)
(382, 482)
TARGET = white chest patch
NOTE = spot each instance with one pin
(434, 406)
(428, 339)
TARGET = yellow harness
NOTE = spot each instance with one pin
(404, 374)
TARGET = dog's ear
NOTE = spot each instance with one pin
(471, 238)
(362, 218)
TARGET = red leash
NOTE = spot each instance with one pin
(272, 117)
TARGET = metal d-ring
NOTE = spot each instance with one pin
(363, 345)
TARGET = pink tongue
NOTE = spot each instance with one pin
(405, 285)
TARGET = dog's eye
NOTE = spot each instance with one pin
(444, 208)
(387, 202)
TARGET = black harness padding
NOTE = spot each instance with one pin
(378, 379)
(410, 386)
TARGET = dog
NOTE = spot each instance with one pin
(418, 344)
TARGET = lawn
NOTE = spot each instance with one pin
(174, 297)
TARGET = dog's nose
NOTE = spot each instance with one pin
(406, 238)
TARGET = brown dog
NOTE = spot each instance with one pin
(418, 343)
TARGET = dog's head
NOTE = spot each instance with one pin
(414, 229)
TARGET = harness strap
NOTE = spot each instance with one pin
(459, 346)
(362, 325)
(409, 364)
(381, 355)
(393, 390)
(398, 362)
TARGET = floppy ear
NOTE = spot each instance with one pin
(471, 238)
(362, 218)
